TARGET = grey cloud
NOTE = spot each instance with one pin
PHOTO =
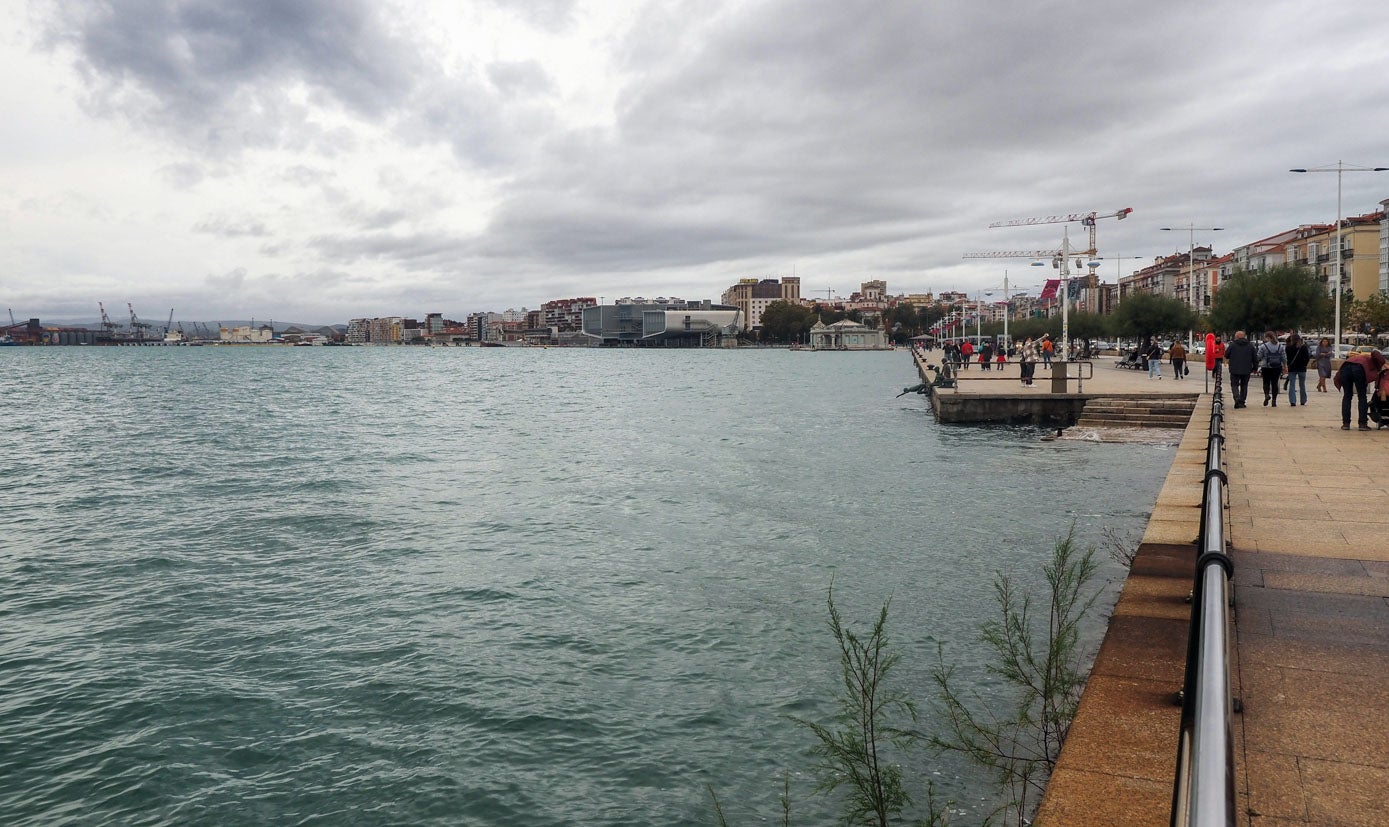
(182, 175)
(207, 70)
(520, 78)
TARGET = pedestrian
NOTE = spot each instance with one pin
(1027, 362)
(1001, 359)
(1272, 358)
(1241, 359)
(986, 356)
(1048, 349)
(1217, 356)
(1298, 358)
(1324, 353)
(1358, 372)
(1154, 355)
(966, 353)
(1178, 355)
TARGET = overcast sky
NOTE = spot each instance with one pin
(324, 159)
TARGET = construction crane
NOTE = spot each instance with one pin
(1063, 257)
(169, 326)
(828, 291)
(1086, 219)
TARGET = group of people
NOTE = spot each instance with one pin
(1361, 377)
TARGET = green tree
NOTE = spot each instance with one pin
(1088, 326)
(1280, 298)
(784, 321)
(1371, 314)
(1145, 314)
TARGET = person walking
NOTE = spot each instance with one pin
(1272, 358)
(1154, 355)
(1217, 356)
(1359, 372)
(1048, 350)
(1178, 355)
(986, 356)
(966, 352)
(1324, 353)
(1299, 356)
(1027, 363)
(1241, 359)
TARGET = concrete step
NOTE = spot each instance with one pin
(1106, 412)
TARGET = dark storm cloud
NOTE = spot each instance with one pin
(216, 72)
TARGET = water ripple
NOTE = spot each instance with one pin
(506, 587)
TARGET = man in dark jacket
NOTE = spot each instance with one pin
(1240, 360)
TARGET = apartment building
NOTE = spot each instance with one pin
(752, 296)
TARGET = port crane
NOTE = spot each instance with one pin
(136, 325)
(108, 327)
(1063, 256)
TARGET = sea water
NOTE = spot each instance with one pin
(246, 585)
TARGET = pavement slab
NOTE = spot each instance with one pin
(1308, 530)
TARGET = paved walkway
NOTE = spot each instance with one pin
(1106, 379)
(1309, 529)
(1309, 521)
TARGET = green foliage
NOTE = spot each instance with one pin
(784, 321)
(1280, 298)
(853, 751)
(1144, 314)
(1370, 314)
(1088, 325)
(1047, 670)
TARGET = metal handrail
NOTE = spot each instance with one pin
(1204, 792)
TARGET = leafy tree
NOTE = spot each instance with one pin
(1145, 314)
(1088, 326)
(1370, 314)
(784, 321)
(1280, 298)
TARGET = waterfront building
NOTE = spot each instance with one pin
(358, 331)
(1315, 247)
(846, 335)
(752, 296)
(663, 324)
(565, 315)
(1384, 246)
(386, 330)
(244, 334)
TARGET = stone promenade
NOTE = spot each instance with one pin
(1308, 524)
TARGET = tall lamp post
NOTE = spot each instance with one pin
(1191, 268)
(1340, 167)
(1007, 305)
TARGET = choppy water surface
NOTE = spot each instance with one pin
(484, 586)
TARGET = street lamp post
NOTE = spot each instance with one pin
(1340, 168)
(1191, 269)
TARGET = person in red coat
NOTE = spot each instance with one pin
(1359, 372)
